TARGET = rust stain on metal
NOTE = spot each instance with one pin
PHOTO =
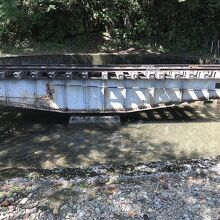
(24, 98)
(49, 91)
(105, 98)
(45, 102)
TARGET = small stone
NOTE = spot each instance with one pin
(205, 172)
(33, 190)
(157, 206)
(198, 171)
(165, 186)
(145, 217)
(28, 212)
(24, 201)
(33, 216)
(165, 195)
(2, 196)
(132, 194)
(15, 194)
(11, 200)
(64, 207)
(5, 203)
(97, 210)
(50, 217)
(11, 208)
(186, 217)
(81, 214)
(30, 195)
(131, 214)
(111, 215)
(216, 169)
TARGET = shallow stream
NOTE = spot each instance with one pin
(45, 140)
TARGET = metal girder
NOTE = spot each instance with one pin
(112, 72)
(106, 89)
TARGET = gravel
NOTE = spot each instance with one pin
(188, 189)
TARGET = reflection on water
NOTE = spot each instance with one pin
(38, 139)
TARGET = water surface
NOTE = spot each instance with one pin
(45, 140)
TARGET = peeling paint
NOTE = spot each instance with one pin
(94, 96)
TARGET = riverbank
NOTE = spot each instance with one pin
(184, 189)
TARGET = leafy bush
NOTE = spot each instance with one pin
(174, 23)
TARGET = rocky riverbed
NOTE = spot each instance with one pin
(186, 189)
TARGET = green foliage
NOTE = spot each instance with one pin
(187, 24)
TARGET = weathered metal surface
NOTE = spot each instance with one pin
(102, 89)
(101, 120)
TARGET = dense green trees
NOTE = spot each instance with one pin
(180, 23)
